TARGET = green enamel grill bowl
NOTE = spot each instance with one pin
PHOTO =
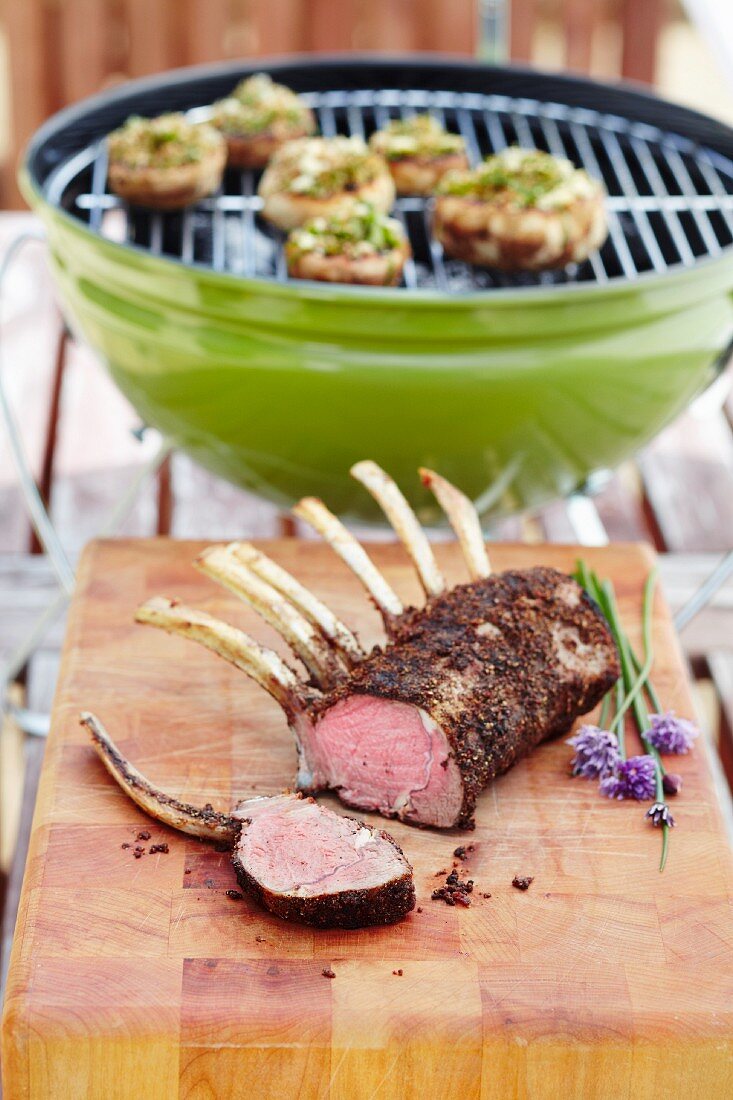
(518, 388)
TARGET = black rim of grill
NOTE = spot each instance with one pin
(670, 198)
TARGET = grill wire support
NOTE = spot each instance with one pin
(33, 722)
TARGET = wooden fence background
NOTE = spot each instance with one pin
(62, 50)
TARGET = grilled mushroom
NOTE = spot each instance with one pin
(302, 861)
(166, 162)
(419, 152)
(258, 117)
(321, 177)
(521, 210)
(358, 246)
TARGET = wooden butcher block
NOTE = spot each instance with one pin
(142, 979)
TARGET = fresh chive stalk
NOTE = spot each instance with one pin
(621, 731)
(642, 677)
(634, 682)
(648, 686)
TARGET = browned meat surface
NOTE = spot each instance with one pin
(498, 665)
(464, 687)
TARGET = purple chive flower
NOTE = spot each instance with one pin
(670, 734)
(659, 814)
(596, 752)
(634, 778)
(612, 787)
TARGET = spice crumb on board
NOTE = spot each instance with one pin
(187, 871)
(125, 845)
(455, 891)
(236, 895)
(522, 882)
(463, 851)
(419, 909)
(397, 973)
(328, 972)
(159, 848)
(144, 835)
(260, 939)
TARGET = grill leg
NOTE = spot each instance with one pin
(44, 530)
(45, 481)
(286, 526)
(165, 498)
(705, 592)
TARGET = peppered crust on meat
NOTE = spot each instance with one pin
(500, 664)
(385, 904)
(346, 909)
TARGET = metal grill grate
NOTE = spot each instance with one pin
(670, 200)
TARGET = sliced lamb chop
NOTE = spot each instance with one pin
(302, 861)
(466, 685)
(306, 863)
(204, 822)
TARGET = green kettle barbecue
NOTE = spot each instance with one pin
(517, 388)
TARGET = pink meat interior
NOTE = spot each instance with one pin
(294, 846)
(387, 756)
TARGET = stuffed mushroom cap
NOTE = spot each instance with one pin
(521, 210)
(166, 162)
(317, 176)
(419, 152)
(360, 246)
(258, 117)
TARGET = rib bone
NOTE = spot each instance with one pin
(197, 821)
(332, 628)
(262, 664)
(464, 520)
(322, 662)
(351, 552)
(399, 513)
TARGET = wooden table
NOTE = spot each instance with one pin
(133, 978)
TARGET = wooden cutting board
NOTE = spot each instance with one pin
(141, 978)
